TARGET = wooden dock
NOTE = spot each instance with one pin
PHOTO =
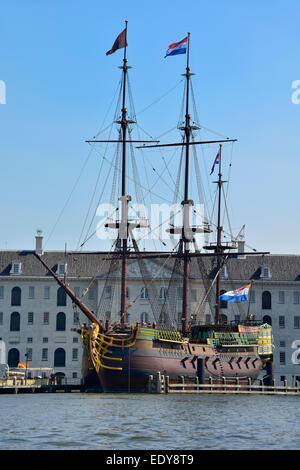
(161, 384)
(16, 385)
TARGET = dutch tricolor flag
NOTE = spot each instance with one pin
(238, 295)
(216, 162)
(177, 48)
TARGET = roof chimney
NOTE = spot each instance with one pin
(39, 242)
(241, 243)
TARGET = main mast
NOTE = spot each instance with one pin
(123, 233)
(186, 203)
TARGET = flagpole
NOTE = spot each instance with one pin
(186, 203)
(124, 204)
(248, 313)
(219, 242)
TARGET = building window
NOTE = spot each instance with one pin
(74, 354)
(282, 357)
(281, 297)
(75, 339)
(16, 296)
(162, 293)
(46, 318)
(223, 303)
(1, 292)
(144, 317)
(237, 318)
(45, 340)
(77, 291)
(13, 357)
(266, 300)
(144, 293)
(28, 354)
(30, 292)
(61, 269)
(60, 358)
(297, 322)
(296, 297)
(267, 319)
(61, 322)
(224, 274)
(193, 295)
(179, 293)
(46, 292)
(281, 321)
(282, 344)
(30, 318)
(91, 293)
(16, 267)
(29, 340)
(61, 297)
(107, 292)
(15, 321)
(44, 354)
(75, 318)
(265, 272)
(127, 293)
(74, 375)
(223, 319)
(1, 318)
(207, 319)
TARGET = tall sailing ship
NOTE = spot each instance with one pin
(121, 357)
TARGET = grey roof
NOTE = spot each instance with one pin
(90, 264)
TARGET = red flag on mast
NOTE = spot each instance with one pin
(119, 43)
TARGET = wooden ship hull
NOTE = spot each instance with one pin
(127, 369)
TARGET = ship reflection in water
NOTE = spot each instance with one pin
(149, 422)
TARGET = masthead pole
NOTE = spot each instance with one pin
(124, 201)
(219, 241)
(186, 202)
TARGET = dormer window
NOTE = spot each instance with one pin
(224, 273)
(16, 267)
(61, 268)
(265, 272)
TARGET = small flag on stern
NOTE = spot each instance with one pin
(119, 43)
(238, 295)
(216, 162)
(177, 47)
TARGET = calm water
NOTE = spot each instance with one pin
(64, 421)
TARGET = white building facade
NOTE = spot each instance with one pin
(37, 318)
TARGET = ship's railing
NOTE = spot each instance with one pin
(99, 344)
(161, 335)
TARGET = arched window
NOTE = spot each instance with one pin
(61, 297)
(267, 319)
(13, 357)
(266, 300)
(16, 296)
(15, 321)
(59, 357)
(223, 303)
(61, 321)
(144, 317)
(144, 293)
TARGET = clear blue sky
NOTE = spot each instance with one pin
(60, 83)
